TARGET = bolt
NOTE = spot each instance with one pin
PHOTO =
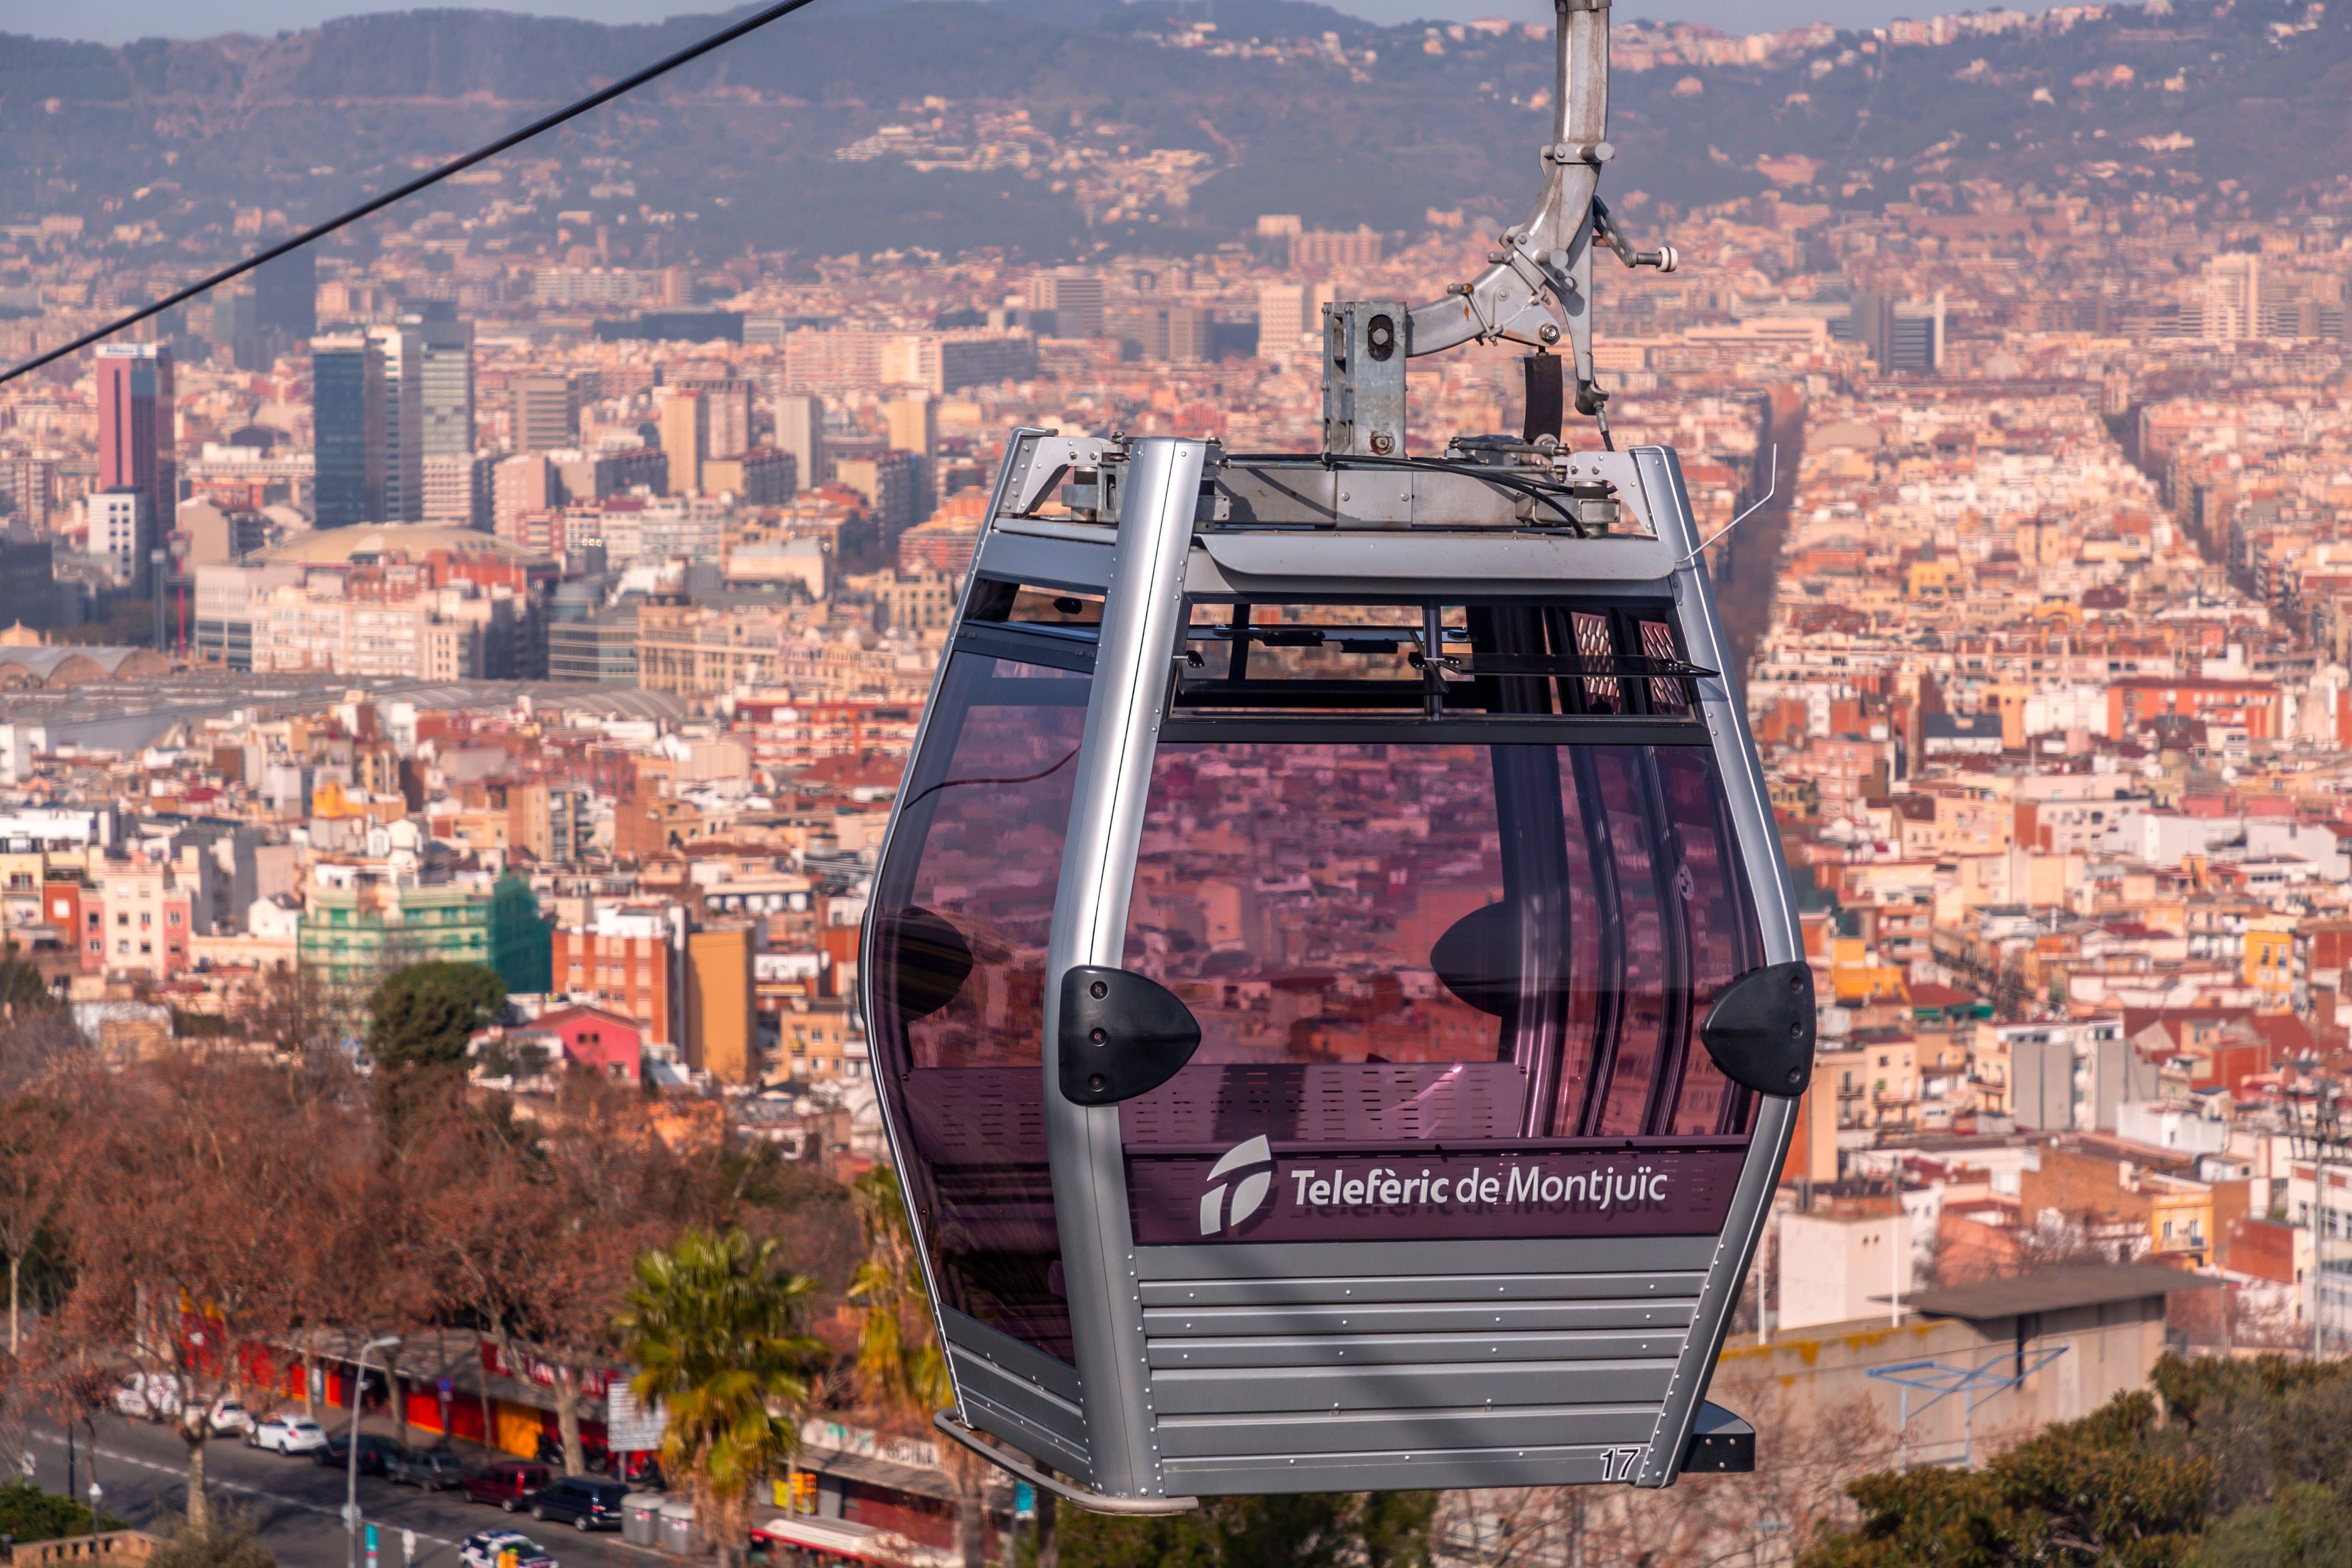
(1549, 333)
(1098, 990)
(1382, 443)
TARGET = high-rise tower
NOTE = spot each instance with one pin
(800, 430)
(347, 413)
(136, 445)
(448, 344)
(401, 347)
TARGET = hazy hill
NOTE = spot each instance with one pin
(2255, 93)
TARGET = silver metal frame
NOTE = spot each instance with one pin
(1143, 609)
(1775, 915)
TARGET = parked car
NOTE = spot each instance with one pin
(640, 1468)
(550, 1453)
(149, 1396)
(435, 1469)
(506, 1483)
(228, 1416)
(502, 1549)
(287, 1435)
(580, 1502)
(375, 1451)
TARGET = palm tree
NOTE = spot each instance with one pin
(900, 1368)
(714, 1326)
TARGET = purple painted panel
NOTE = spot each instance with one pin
(1262, 1191)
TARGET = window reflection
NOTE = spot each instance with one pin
(966, 906)
(1416, 943)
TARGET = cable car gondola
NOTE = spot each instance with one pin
(1333, 986)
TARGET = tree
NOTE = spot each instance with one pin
(529, 1230)
(2105, 1489)
(420, 1017)
(2310, 1526)
(33, 1135)
(900, 1369)
(180, 1253)
(714, 1326)
(37, 1035)
(226, 1540)
(1806, 1456)
(28, 1513)
(619, 1190)
(290, 1007)
(24, 990)
(1311, 1530)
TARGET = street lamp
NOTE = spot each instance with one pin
(352, 1489)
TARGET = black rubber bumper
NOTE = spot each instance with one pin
(1720, 1443)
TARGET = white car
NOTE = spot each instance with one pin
(228, 1416)
(150, 1396)
(287, 1435)
(502, 1549)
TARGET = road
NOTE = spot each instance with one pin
(296, 1504)
(1746, 567)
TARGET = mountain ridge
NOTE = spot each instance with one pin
(1287, 106)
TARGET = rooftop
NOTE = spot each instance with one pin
(2056, 1289)
(328, 546)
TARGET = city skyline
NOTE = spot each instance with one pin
(550, 724)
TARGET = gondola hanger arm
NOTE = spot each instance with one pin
(1538, 280)
(1092, 1501)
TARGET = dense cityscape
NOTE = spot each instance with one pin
(514, 592)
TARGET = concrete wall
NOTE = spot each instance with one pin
(1796, 1380)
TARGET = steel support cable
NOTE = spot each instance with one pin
(602, 95)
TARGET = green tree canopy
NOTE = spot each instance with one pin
(2310, 1526)
(2245, 1461)
(29, 1513)
(421, 1017)
(714, 1326)
(1311, 1530)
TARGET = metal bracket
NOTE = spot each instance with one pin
(1092, 1501)
(1041, 463)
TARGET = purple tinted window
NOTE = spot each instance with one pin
(1723, 941)
(964, 907)
(1614, 801)
(1409, 943)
